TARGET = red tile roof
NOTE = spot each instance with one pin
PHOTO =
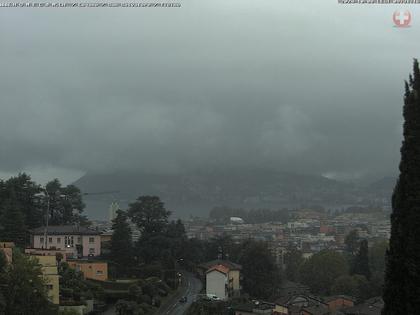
(220, 268)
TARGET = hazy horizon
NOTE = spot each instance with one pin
(314, 88)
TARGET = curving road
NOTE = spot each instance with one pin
(190, 287)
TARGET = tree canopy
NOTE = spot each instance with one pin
(261, 275)
(360, 265)
(149, 214)
(320, 271)
(121, 242)
(22, 287)
(24, 203)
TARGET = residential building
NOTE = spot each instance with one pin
(106, 237)
(79, 241)
(91, 269)
(288, 289)
(50, 274)
(261, 307)
(300, 301)
(372, 306)
(318, 309)
(113, 208)
(223, 279)
(59, 254)
(338, 302)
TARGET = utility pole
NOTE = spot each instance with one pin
(47, 218)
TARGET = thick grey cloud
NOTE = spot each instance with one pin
(303, 86)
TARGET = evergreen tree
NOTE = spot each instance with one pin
(24, 191)
(12, 226)
(26, 290)
(352, 242)
(261, 275)
(66, 204)
(402, 289)
(121, 242)
(293, 260)
(361, 261)
(149, 214)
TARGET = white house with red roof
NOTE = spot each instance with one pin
(223, 280)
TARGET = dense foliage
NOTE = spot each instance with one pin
(22, 287)
(261, 274)
(149, 214)
(121, 243)
(360, 263)
(293, 261)
(24, 204)
(320, 271)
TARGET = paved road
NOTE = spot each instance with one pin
(190, 287)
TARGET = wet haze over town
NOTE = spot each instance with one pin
(296, 87)
(209, 157)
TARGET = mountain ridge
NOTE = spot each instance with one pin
(196, 193)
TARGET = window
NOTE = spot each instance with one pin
(99, 272)
(91, 240)
(58, 240)
(79, 239)
(50, 240)
(91, 251)
(41, 240)
(49, 287)
(68, 241)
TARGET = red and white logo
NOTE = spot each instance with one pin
(402, 18)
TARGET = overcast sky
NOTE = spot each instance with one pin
(309, 86)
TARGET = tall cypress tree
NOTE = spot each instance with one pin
(402, 279)
(12, 223)
(121, 243)
(361, 261)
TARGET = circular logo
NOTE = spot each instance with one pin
(402, 18)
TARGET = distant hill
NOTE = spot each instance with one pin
(384, 185)
(196, 193)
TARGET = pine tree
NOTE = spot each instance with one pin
(361, 261)
(149, 214)
(402, 289)
(12, 223)
(121, 242)
(24, 191)
(261, 275)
